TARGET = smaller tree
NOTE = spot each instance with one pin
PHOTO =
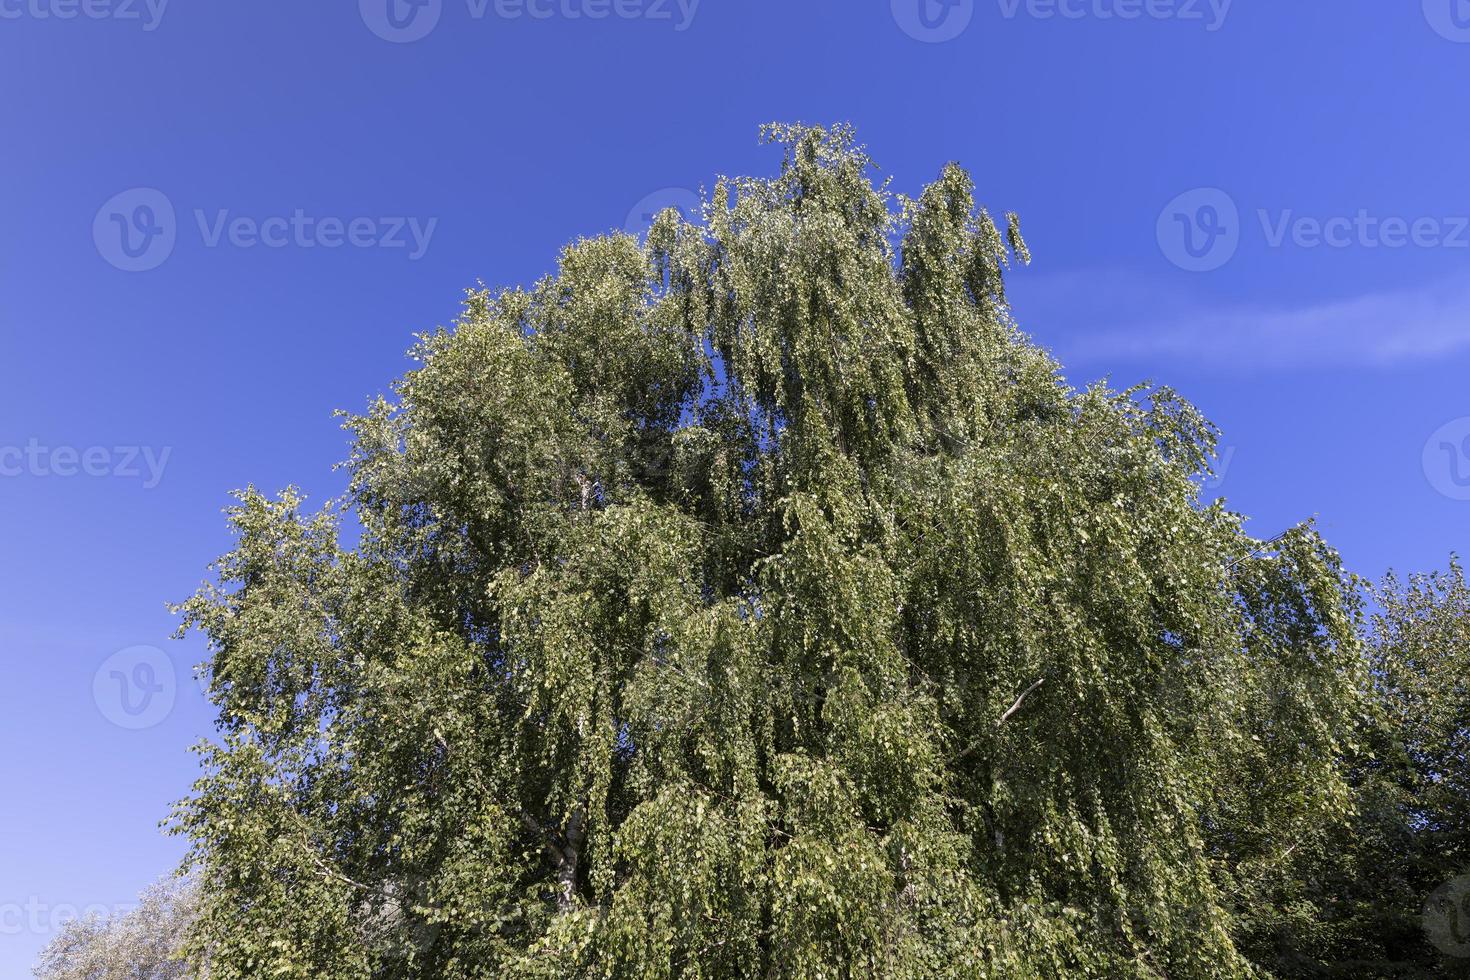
(143, 944)
(1416, 794)
(1387, 895)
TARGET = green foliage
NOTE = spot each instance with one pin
(1422, 667)
(1388, 894)
(143, 943)
(757, 601)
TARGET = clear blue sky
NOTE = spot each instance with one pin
(1169, 167)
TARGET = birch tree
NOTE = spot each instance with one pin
(755, 599)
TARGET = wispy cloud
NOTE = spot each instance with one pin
(1098, 317)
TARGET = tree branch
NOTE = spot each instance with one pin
(1003, 719)
(1017, 706)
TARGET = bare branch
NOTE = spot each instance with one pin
(1003, 718)
(1017, 706)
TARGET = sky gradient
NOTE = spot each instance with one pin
(222, 221)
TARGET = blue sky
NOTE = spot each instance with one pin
(1261, 203)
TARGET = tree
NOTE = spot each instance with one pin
(145, 943)
(757, 601)
(1421, 667)
(1387, 893)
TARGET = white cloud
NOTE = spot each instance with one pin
(1100, 317)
